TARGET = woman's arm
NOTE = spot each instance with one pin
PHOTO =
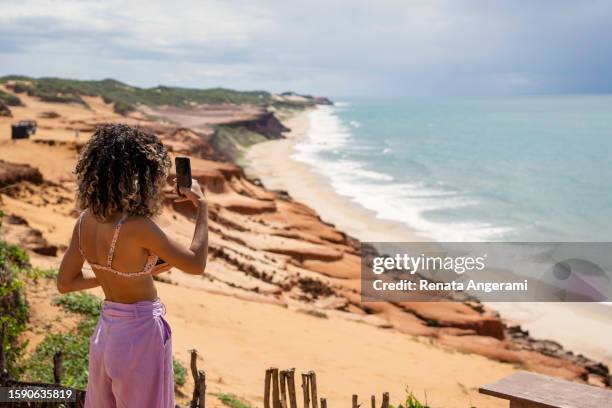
(191, 260)
(70, 277)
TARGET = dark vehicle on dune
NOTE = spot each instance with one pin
(23, 129)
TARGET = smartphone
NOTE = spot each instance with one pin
(183, 172)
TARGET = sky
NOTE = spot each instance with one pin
(386, 48)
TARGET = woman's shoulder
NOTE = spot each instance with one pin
(139, 221)
(142, 230)
(140, 225)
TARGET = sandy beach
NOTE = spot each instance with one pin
(578, 327)
(271, 162)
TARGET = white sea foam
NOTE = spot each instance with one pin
(402, 202)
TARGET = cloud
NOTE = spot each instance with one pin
(345, 47)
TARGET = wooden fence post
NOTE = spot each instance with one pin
(291, 387)
(57, 367)
(306, 390)
(355, 401)
(323, 403)
(275, 397)
(202, 389)
(385, 401)
(373, 401)
(267, 388)
(194, 374)
(283, 388)
(313, 389)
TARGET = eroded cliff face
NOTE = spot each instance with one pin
(13, 173)
(266, 124)
(264, 246)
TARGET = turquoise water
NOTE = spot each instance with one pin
(520, 169)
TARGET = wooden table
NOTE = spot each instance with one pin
(529, 390)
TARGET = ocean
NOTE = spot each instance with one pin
(515, 169)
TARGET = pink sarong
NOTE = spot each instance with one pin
(130, 358)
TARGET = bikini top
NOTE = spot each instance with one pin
(151, 260)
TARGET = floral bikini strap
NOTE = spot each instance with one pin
(111, 251)
(81, 222)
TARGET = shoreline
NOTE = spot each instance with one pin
(281, 173)
(273, 164)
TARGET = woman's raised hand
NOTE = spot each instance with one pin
(160, 268)
(193, 194)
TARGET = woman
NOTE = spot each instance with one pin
(120, 176)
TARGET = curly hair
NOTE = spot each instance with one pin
(121, 169)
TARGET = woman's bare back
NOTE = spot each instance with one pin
(122, 281)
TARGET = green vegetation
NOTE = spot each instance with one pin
(180, 373)
(13, 306)
(411, 402)
(125, 97)
(231, 400)
(74, 344)
(9, 99)
(234, 141)
(81, 303)
(40, 273)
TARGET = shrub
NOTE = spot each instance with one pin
(13, 306)
(180, 373)
(10, 99)
(81, 303)
(75, 348)
(123, 108)
(74, 344)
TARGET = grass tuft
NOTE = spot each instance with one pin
(232, 400)
(411, 401)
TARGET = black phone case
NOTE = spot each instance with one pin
(183, 171)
